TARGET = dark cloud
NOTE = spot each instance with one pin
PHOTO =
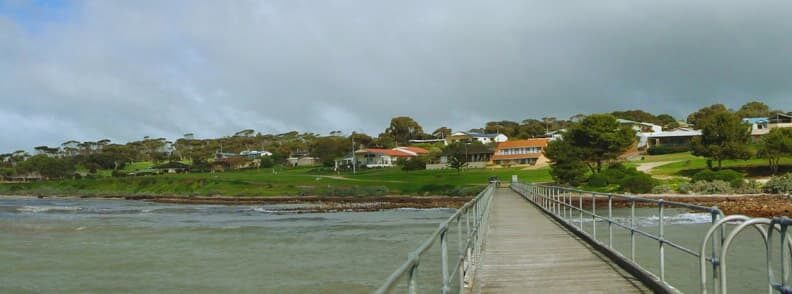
(126, 69)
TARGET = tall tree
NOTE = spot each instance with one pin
(723, 136)
(754, 109)
(506, 127)
(776, 144)
(698, 116)
(403, 129)
(598, 138)
(667, 121)
(566, 163)
(530, 128)
(441, 133)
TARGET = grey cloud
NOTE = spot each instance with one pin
(126, 69)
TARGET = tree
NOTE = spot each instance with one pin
(530, 128)
(565, 162)
(723, 136)
(754, 109)
(457, 162)
(403, 129)
(384, 141)
(441, 133)
(776, 144)
(636, 115)
(667, 121)
(327, 149)
(698, 116)
(47, 167)
(506, 127)
(415, 163)
(597, 138)
(548, 121)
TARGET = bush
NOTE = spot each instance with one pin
(662, 149)
(705, 187)
(779, 184)
(752, 187)
(663, 189)
(734, 178)
(598, 180)
(638, 183)
(118, 174)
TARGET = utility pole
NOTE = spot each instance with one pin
(354, 161)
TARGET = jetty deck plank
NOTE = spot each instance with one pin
(527, 252)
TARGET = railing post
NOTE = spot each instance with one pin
(632, 229)
(412, 284)
(715, 254)
(444, 259)
(610, 221)
(662, 243)
(580, 199)
(461, 255)
(594, 215)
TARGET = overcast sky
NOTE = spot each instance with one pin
(89, 70)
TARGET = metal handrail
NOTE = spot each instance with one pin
(558, 201)
(475, 214)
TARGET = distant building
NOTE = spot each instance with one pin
(521, 152)
(429, 141)
(253, 154)
(481, 137)
(375, 157)
(679, 137)
(642, 131)
(760, 126)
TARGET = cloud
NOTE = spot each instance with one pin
(128, 69)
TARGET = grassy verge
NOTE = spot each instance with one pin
(292, 182)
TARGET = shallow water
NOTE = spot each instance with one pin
(84, 245)
(131, 246)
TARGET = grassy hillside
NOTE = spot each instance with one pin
(301, 181)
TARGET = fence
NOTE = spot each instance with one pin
(571, 206)
(473, 218)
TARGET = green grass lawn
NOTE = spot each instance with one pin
(287, 182)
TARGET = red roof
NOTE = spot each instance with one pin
(538, 142)
(389, 152)
(416, 150)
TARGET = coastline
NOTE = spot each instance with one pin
(320, 203)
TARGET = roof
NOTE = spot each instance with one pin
(389, 152)
(756, 120)
(416, 150)
(516, 156)
(477, 135)
(678, 133)
(537, 142)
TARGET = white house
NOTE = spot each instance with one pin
(375, 157)
(481, 137)
(642, 130)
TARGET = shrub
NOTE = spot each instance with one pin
(662, 149)
(751, 187)
(663, 189)
(638, 183)
(598, 180)
(118, 174)
(779, 184)
(705, 187)
(734, 178)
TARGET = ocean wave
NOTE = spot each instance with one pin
(40, 209)
(644, 221)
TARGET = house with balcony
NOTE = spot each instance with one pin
(528, 152)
